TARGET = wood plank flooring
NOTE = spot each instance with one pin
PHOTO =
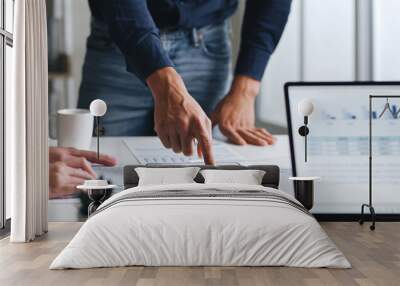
(375, 257)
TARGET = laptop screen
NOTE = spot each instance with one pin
(338, 144)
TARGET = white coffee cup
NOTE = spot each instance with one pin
(74, 128)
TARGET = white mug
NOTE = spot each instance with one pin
(74, 128)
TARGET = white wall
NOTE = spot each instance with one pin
(318, 44)
(77, 30)
(329, 40)
(386, 40)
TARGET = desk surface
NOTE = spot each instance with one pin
(277, 154)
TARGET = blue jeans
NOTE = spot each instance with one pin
(201, 56)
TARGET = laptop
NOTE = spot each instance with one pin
(338, 144)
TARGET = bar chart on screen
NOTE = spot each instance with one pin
(359, 113)
(339, 151)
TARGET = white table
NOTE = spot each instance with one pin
(278, 154)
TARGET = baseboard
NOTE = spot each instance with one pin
(356, 217)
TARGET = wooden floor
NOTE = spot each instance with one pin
(375, 257)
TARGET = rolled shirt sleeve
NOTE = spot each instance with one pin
(263, 25)
(133, 29)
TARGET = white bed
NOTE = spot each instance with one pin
(222, 225)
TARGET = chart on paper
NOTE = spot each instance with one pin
(153, 152)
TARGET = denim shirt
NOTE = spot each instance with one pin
(134, 26)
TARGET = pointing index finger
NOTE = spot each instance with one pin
(204, 146)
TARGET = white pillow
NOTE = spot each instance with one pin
(165, 176)
(248, 177)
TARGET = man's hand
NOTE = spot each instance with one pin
(70, 167)
(178, 118)
(235, 114)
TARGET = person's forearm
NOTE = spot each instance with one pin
(245, 86)
(235, 114)
(164, 82)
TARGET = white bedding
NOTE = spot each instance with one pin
(188, 231)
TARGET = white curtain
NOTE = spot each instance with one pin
(27, 123)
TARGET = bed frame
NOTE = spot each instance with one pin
(270, 179)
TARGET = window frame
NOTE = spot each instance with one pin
(6, 39)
